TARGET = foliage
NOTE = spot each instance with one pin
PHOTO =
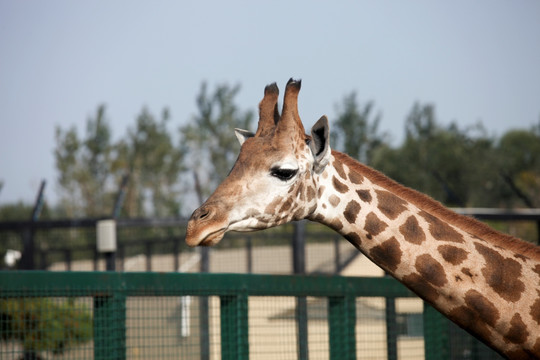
(91, 169)
(84, 167)
(447, 163)
(21, 211)
(153, 163)
(518, 152)
(43, 324)
(209, 138)
(464, 167)
(355, 130)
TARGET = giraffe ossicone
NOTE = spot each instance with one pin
(485, 281)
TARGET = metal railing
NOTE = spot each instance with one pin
(120, 327)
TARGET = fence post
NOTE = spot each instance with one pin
(391, 328)
(342, 323)
(204, 323)
(110, 327)
(27, 259)
(337, 255)
(148, 255)
(234, 327)
(249, 255)
(299, 267)
(436, 344)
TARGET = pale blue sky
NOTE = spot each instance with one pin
(475, 60)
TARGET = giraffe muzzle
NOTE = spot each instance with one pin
(206, 226)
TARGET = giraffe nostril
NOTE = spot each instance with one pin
(203, 213)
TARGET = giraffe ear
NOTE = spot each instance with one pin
(243, 135)
(320, 144)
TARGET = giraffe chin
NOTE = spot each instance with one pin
(210, 239)
(213, 238)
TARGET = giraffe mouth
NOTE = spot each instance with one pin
(206, 226)
(197, 236)
(213, 238)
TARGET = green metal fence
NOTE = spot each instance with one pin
(107, 315)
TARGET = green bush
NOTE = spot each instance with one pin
(42, 324)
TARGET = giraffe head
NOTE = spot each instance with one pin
(272, 181)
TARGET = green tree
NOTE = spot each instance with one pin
(84, 167)
(147, 155)
(42, 324)
(91, 169)
(210, 140)
(355, 130)
(21, 211)
(445, 162)
(518, 159)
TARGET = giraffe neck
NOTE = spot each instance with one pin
(486, 282)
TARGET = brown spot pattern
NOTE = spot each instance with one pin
(339, 169)
(374, 225)
(469, 319)
(536, 348)
(339, 186)
(364, 195)
(452, 254)
(441, 230)
(286, 206)
(502, 274)
(467, 272)
(431, 270)
(351, 211)
(310, 194)
(517, 333)
(482, 307)
(299, 214)
(336, 224)
(354, 239)
(388, 254)
(334, 200)
(320, 191)
(390, 204)
(356, 178)
(521, 354)
(271, 208)
(535, 309)
(412, 232)
(421, 287)
(300, 192)
(521, 257)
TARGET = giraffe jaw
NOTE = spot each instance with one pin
(213, 238)
(203, 237)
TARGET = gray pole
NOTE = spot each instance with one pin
(27, 260)
(299, 267)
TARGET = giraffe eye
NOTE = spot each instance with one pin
(283, 174)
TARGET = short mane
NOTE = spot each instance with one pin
(435, 208)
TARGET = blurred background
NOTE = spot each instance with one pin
(443, 97)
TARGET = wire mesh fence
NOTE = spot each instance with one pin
(104, 315)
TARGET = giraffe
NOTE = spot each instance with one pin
(486, 282)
